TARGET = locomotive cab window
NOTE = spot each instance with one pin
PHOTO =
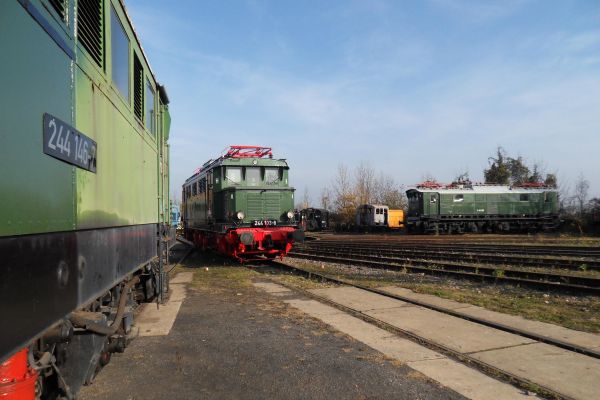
(524, 197)
(233, 174)
(271, 176)
(432, 199)
(253, 176)
(458, 198)
(120, 55)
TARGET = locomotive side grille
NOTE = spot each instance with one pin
(272, 204)
(89, 28)
(254, 209)
(59, 7)
(138, 87)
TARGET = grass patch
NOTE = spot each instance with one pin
(302, 282)
(223, 277)
(576, 312)
(580, 313)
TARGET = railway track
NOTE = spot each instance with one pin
(548, 281)
(461, 356)
(575, 264)
(530, 250)
(484, 239)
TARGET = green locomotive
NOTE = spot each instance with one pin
(466, 207)
(241, 205)
(85, 177)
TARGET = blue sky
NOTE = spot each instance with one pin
(414, 88)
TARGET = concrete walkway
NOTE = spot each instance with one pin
(237, 342)
(583, 339)
(158, 321)
(449, 373)
(570, 374)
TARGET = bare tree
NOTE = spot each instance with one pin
(566, 200)
(582, 187)
(389, 193)
(305, 198)
(343, 194)
(364, 176)
(325, 198)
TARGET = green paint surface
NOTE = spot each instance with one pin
(42, 194)
(36, 190)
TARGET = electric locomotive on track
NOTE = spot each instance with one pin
(466, 207)
(84, 181)
(313, 219)
(241, 205)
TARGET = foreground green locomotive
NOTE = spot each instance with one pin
(241, 205)
(465, 207)
(84, 181)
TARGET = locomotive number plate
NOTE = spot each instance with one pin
(265, 222)
(66, 143)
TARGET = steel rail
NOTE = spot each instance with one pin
(512, 249)
(474, 272)
(566, 263)
(455, 313)
(490, 369)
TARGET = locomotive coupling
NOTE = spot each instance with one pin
(61, 333)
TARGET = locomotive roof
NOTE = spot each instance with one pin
(484, 189)
(239, 162)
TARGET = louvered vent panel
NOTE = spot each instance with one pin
(272, 205)
(254, 206)
(60, 7)
(89, 28)
(138, 87)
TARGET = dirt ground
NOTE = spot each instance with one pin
(232, 341)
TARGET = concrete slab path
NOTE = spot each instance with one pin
(452, 374)
(158, 321)
(568, 373)
(584, 339)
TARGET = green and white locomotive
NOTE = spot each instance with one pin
(84, 178)
(466, 207)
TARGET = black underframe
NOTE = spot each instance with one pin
(44, 277)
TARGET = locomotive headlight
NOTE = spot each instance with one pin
(240, 215)
(290, 214)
